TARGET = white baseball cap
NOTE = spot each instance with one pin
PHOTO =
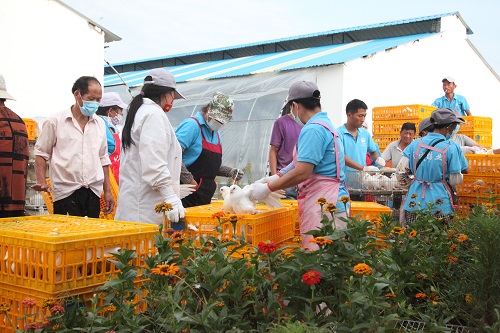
(111, 99)
(3, 89)
(163, 78)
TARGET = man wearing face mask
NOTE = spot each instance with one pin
(74, 143)
(202, 150)
(318, 166)
(110, 109)
(437, 164)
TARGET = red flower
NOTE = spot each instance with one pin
(267, 247)
(311, 277)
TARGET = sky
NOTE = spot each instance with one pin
(157, 28)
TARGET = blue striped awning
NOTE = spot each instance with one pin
(270, 62)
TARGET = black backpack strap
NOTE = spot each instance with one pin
(426, 153)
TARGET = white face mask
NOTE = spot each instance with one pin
(214, 125)
(296, 117)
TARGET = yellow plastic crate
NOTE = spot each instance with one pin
(484, 164)
(54, 253)
(483, 138)
(294, 205)
(32, 128)
(491, 184)
(387, 127)
(384, 140)
(276, 225)
(413, 112)
(47, 198)
(476, 124)
(367, 210)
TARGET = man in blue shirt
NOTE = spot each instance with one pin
(451, 100)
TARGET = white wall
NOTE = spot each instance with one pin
(412, 74)
(45, 48)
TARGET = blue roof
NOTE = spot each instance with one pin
(279, 61)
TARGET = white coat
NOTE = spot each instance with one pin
(150, 168)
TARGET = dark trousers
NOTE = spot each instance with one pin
(11, 213)
(82, 202)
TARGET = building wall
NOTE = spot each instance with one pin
(45, 48)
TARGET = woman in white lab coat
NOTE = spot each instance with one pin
(151, 156)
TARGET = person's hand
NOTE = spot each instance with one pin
(468, 150)
(260, 191)
(380, 161)
(237, 174)
(177, 211)
(41, 187)
(110, 202)
(269, 179)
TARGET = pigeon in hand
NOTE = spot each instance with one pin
(240, 200)
(227, 206)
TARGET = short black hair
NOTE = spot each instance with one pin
(409, 127)
(82, 84)
(354, 105)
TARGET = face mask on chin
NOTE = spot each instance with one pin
(168, 106)
(296, 117)
(455, 131)
(88, 108)
(116, 119)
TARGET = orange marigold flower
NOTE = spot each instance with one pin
(331, 208)
(165, 270)
(390, 295)
(414, 195)
(439, 201)
(452, 247)
(413, 233)
(488, 204)
(451, 233)
(297, 239)
(477, 187)
(420, 276)
(412, 204)
(461, 238)
(110, 308)
(420, 296)
(267, 247)
(311, 277)
(320, 240)
(344, 199)
(184, 301)
(163, 207)
(218, 214)
(362, 269)
(398, 230)
(451, 259)
(4, 307)
(371, 233)
(224, 286)
(248, 290)
(321, 201)
(433, 297)
(490, 211)
(468, 298)
(220, 304)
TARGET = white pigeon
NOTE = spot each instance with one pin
(272, 199)
(240, 200)
(392, 182)
(227, 206)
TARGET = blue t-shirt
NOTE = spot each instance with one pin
(356, 149)
(109, 136)
(458, 103)
(431, 170)
(189, 136)
(315, 146)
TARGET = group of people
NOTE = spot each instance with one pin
(307, 152)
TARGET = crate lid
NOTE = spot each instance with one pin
(61, 228)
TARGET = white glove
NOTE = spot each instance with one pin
(468, 150)
(370, 168)
(380, 161)
(490, 151)
(237, 174)
(268, 179)
(177, 211)
(260, 191)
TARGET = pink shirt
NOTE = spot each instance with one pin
(76, 157)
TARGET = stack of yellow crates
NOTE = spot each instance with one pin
(57, 256)
(387, 121)
(478, 129)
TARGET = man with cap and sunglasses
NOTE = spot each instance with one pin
(202, 150)
(151, 156)
(318, 162)
(74, 141)
(437, 164)
(452, 101)
(14, 155)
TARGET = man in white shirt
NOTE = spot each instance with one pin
(74, 143)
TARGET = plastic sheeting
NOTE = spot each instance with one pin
(257, 104)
